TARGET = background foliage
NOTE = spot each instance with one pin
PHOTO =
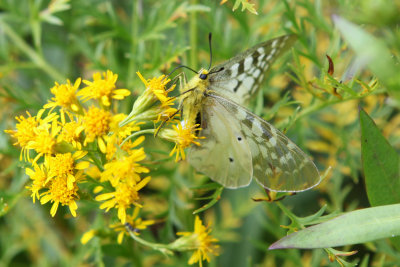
(46, 41)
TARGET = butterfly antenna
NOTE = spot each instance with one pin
(209, 43)
(181, 66)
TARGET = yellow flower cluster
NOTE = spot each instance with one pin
(61, 135)
(78, 139)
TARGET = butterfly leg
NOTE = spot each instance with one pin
(164, 122)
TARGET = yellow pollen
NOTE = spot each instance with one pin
(44, 143)
(59, 191)
(64, 94)
(126, 194)
(97, 122)
(68, 133)
(61, 165)
(25, 130)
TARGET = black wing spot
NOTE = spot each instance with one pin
(230, 159)
(239, 138)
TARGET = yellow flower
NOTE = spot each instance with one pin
(103, 90)
(183, 135)
(166, 112)
(119, 135)
(125, 168)
(26, 132)
(39, 177)
(63, 165)
(96, 123)
(45, 140)
(134, 222)
(155, 91)
(60, 193)
(156, 86)
(126, 130)
(114, 145)
(201, 241)
(65, 96)
(70, 133)
(125, 195)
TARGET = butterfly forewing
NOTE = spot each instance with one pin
(240, 77)
(217, 157)
(277, 163)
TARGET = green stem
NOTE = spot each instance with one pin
(134, 35)
(157, 246)
(193, 37)
(36, 58)
(148, 131)
(317, 106)
(288, 212)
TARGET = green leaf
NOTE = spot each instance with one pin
(245, 6)
(214, 199)
(380, 164)
(373, 52)
(355, 227)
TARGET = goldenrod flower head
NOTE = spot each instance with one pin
(200, 241)
(103, 90)
(96, 123)
(26, 130)
(45, 140)
(134, 222)
(155, 91)
(60, 193)
(120, 145)
(39, 177)
(118, 135)
(70, 133)
(183, 134)
(156, 87)
(125, 195)
(64, 165)
(126, 130)
(125, 168)
(166, 111)
(65, 96)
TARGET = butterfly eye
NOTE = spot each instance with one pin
(203, 76)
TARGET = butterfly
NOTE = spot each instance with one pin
(236, 144)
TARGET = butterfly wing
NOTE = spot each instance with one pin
(221, 156)
(242, 75)
(277, 163)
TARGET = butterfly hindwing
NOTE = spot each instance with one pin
(224, 154)
(277, 163)
(242, 75)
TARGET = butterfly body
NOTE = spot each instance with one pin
(192, 97)
(238, 145)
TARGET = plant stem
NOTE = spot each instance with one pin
(37, 59)
(193, 38)
(157, 246)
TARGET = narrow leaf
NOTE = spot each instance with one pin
(351, 228)
(373, 52)
(380, 164)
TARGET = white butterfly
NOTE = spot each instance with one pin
(239, 145)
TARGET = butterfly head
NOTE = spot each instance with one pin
(203, 74)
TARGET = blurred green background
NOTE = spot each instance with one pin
(46, 41)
